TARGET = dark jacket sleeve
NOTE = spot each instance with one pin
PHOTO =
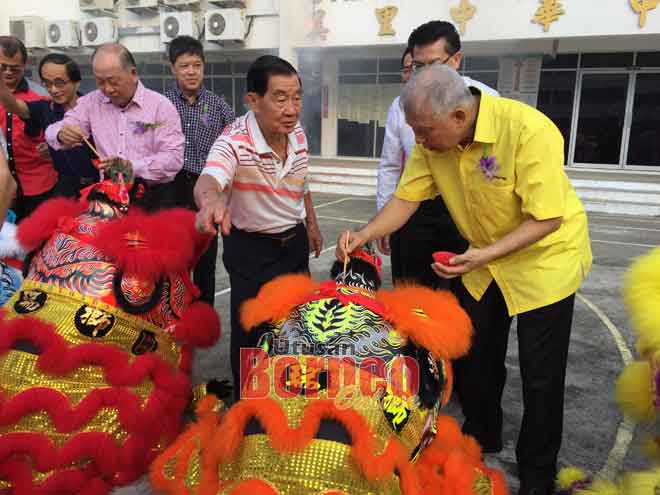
(37, 123)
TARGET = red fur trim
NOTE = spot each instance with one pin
(40, 225)
(199, 325)
(150, 245)
(184, 220)
(445, 332)
(147, 423)
(57, 358)
(276, 299)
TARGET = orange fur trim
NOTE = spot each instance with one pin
(445, 333)
(183, 447)
(452, 463)
(450, 437)
(221, 444)
(260, 487)
(254, 487)
(276, 299)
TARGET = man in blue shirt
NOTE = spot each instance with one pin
(204, 115)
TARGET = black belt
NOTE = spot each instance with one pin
(280, 238)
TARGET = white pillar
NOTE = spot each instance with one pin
(289, 30)
(329, 69)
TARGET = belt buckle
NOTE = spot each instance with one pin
(285, 240)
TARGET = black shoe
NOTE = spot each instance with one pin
(495, 448)
(546, 489)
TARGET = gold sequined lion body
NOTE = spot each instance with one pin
(341, 396)
(95, 346)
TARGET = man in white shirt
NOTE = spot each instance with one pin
(431, 228)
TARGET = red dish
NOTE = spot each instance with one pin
(443, 257)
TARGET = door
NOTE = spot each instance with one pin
(600, 135)
(644, 142)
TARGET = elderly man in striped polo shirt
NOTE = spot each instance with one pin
(255, 186)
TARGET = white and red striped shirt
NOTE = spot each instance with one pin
(266, 195)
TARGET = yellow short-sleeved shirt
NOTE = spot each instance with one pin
(530, 182)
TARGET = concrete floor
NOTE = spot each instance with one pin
(595, 436)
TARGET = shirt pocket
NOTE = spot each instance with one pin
(496, 207)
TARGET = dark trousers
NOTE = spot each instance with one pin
(543, 338)
(252, 259)
(70, 186)
(204, 273)
(25, 205)
(430, 229)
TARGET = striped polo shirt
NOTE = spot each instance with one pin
(265, 194)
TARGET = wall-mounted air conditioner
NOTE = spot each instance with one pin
(96, 4)
(181, 3)
(141, 6)
(229, 4)
(31, 30)
(97, 31)
(173, 24)
(225, 25)
(63, 34)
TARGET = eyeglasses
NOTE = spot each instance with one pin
(58, 83)
(420, 65)
(14, 69)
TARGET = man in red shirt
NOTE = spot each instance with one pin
(28, 157)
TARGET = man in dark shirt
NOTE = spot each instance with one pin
(204, 115)
(61, 77)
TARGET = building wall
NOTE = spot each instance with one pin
(353, 22)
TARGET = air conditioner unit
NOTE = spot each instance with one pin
(181, 3)
(229, 4)
(173, 24)
(31, 30)
(96, 4)
(225, 25)
(98, 31)
(63, 34)
(141, 6)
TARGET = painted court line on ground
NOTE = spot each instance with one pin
(626, 428)
(342, 219)
(621, 243)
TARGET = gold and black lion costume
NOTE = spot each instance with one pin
(96, 344)
(342, 396)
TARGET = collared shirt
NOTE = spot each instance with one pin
(202, 122)
(527, 181)
(398, 143)
(36, 175)
(266, 192)
(76, 162)
(147, 131)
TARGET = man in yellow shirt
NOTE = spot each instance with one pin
(499, 165)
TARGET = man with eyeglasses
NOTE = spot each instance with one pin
(61, 77)
(431, 228)
(34, 174)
